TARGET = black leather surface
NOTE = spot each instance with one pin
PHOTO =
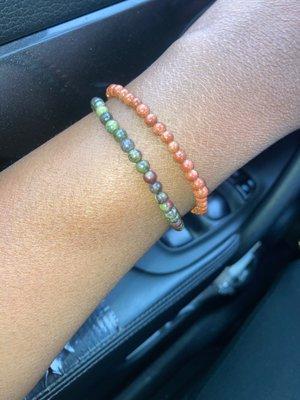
(19, 18)
(60, 69)
(127, 317)
(264, 362)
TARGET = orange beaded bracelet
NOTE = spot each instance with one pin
(198, 185)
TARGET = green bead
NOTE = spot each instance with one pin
(135, 155)
(161, 197)
(142, 166)
(127, 145)
(96, 102)
(105, 117)
(165, 207)
(111, 126)
(120, 134)
(101, 110)
(172, 215)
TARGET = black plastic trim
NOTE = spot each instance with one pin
(48, 78)
(135, 330)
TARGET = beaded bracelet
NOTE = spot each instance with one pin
(187, 166)
(127, 145)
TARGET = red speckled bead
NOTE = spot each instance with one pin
(117, 90)
(192, 175)
(173, 146)
(167, 137)
(178, 226)
(187, 165)
(170, 203)
(136, 102)
(179, 156)
(150, 119)
(128, 99)
(159, 128)
(150, 177)
(123, 93)
(142, 110)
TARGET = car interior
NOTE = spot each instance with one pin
(211, 312)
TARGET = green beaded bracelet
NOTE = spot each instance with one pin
(166, 205)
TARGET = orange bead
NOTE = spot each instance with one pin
(199, 211)
(187, 165)
(167, 137)
(150, 119)
(202, 203)
(123, 93)
(128, 99)
(117, 90)
(173, 146)
(136, 102)
(192, 175)
(159, 128)
(198, 184)
(179, 156)
(109, 90)
(142, 110)
(202, 200)
(202, 191)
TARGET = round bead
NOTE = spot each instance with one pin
(105, 117)
(128, 99)
(120, 134)
(127, 145)
(165, 207)
(96, 102)
(192, 175)
(173, 215)
(117, 90)
(135, 102)
(99, 110)
(150, 119)
(109, 90)
(170, 203)
(187, 165)
(150, 177)
(178, 225)
(161, 197)
(123, 93)
(198, 183)
(142, 110)
(167, 137)
(142, 166)
(111, 126)
(199, 209)
(159, 128)
(173, 146)
(156, 187)
(201, 193)
(135, 155)
(179, 156)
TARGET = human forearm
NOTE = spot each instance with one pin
(74, 215)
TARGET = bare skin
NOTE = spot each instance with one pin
(74, 216)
